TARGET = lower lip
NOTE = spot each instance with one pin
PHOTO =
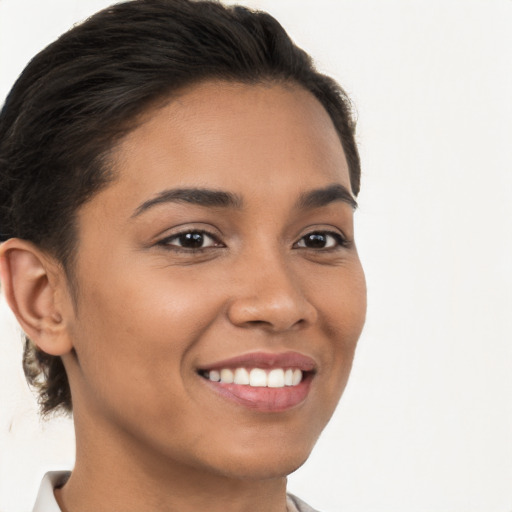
(264, 399)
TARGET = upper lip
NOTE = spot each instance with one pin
(266, 360)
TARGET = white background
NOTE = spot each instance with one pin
(426, 421)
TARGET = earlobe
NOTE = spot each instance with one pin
(32, 287)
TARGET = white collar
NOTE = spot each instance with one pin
(45, 501)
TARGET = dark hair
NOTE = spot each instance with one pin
(82, 93)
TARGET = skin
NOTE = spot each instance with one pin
(151, 434)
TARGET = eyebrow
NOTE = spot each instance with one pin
(324, 196)
(199, 196)
(222, 199)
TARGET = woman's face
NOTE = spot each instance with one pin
(223, 249)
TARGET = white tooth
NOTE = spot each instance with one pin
(226, 376)
(241, 376)
(288, 377)
(258, 378)
(276, 378)
(214, 375)
(297, 376)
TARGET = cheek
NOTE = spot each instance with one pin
(342, 313)
(341, 298)
(131, 304)
(134, 332)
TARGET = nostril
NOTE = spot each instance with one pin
(276, 324)
(258, 323)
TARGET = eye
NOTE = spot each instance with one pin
(192, 240)
(322, 240)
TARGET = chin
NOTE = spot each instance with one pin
(264, 468)
(260, 463)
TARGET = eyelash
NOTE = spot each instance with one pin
(166, 242)
(340, 241)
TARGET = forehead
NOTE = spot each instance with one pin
(251, 127)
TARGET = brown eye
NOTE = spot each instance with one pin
(321, 240)
(191, 240)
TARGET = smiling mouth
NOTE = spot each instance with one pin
(256, 377)
(262, 382)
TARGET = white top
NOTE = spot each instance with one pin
(46, 501)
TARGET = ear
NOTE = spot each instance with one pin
(36, 291)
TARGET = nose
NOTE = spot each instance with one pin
(270, 296)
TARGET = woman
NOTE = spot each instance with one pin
(178, 186)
